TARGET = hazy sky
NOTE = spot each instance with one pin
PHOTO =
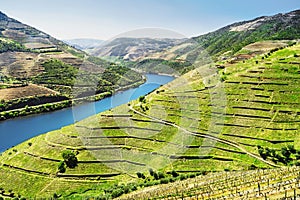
(103, 19)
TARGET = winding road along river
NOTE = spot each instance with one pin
(16, 131)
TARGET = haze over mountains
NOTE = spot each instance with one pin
(133, 48)
(85, 43)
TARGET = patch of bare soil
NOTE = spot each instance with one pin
(24, 91)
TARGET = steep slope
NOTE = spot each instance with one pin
(53, 70)
(133, 48)
(255, 184)
(226, 42)
(241, 117)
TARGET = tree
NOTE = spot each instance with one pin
(161, 175)
(61, 167)
(70, 158)
(140, 175)
(174, 173)
(151, 172)
(262, 153)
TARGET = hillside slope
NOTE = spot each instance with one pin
(53, 70)
(255, 184)
(226, 42)
(244, 116)
(133, 48)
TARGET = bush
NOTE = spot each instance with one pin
(61, 167)
(193, 175)
(140, 175)
(161, 175)
(174, 174)
(117, 192)
(70, 158)
(155, 175)
(151, 172)
(182, 177)
(164, 181)
(55, 196)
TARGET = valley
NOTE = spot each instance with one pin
(36, 69)
(227, 127)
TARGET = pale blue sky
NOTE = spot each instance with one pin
(103, 19)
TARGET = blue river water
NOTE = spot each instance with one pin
(16, 131)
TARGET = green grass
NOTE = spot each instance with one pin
(172, 131)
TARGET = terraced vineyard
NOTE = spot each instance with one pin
(196, 123)
(256, 184)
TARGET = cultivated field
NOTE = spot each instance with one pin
(24, 91)
(205, 121)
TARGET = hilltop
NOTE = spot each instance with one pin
(36, 69)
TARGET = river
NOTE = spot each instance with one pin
(18, 130)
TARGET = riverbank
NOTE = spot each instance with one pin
(19, 129)
(58, 105)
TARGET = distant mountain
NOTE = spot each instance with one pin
(133, 48)
(223, 43)
(230, 39)
(84, 43)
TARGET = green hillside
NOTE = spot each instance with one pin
(224, 43)
(238, 117)
(37, 69)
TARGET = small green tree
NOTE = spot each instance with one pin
(161, 175)
(174, 174)
(61, 167)
(151, 172)
(70, 158)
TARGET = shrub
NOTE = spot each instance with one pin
(140, 175)
(142, 99)
(61, 167)
(164, 181)
(174, 173)
(70, 158)
(192, 175)
(151, 172)
(252, 167)
(161, 175)
(55, 196)
(155, 175)
(117, 192)
(182, 177)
